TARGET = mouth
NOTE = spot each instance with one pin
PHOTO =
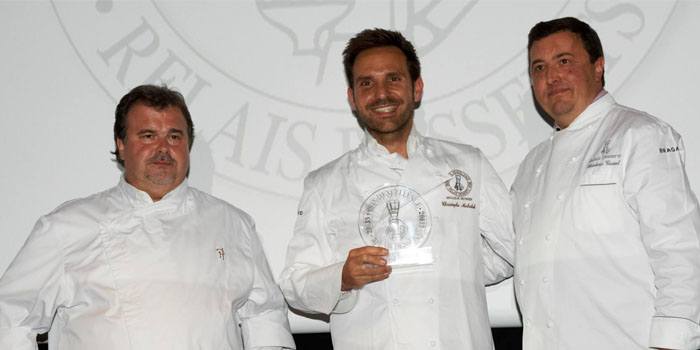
(557, 91)
(385, 109)
(162, 163)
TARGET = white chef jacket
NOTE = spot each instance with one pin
(438, 306)
(608, 253)
(117, 271)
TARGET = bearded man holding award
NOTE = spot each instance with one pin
(396, 239)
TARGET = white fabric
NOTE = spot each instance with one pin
(439, 306)
(117, 271)
(608, 252)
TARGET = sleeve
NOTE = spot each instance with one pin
(311, 280)
(657, 191)
(31, 289)
(264, 323)
(495, 225)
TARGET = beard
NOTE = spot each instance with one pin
(386, 125)
(158, 175)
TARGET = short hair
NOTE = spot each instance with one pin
(589, 37)
(158, 97)
(377, 37)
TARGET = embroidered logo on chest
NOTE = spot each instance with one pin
(221, 253)
(605, 157)
(459, 185)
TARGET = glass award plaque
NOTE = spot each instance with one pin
(397, 218)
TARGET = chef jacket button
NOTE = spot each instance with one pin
(431, 301)
(560, 196)
(436, 218)
(432, 343)
(396, 301)
(539, 169)
(528, 323)
(545, 279)
(573, 159)
(522, 282)
(527, 205)
(547, 237)
(550, 324)
(520, 242)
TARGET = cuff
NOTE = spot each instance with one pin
(346, 301)
(268, 330)
(20, 338)
(674, 333)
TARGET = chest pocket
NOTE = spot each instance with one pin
(598, 201)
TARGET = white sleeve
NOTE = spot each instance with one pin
(657, 191)
(264, 323)
(311, 280)
(496, 225)
(31, 289)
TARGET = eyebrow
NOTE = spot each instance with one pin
(151, 131)
(559, 55)
(146, 131)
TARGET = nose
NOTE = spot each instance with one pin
(163, 145)
(552, 75)
(380, 90)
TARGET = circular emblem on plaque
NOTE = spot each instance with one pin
(394, 217)
(459, 184)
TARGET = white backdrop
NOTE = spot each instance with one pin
(266, 89)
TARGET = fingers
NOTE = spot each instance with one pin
(369, 250)
(364, 265)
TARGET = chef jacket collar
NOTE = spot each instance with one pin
(423, 170)
(371, 147)
(592, 113)
(141, 199)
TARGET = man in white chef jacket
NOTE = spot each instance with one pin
(608, 253)
(434, 210)
(148, 264)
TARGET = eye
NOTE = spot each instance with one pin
(394, 79)
(175, 137)
(364, 83)
(538, 68)
(147, 136)
(565, 61)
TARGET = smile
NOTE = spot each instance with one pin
(385, 109)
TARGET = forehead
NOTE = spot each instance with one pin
(384, 58)
(141, 116)
(555, 44)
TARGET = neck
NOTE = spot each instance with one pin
(565, 120)
(393, 142)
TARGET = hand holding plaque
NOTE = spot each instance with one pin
(397, 218)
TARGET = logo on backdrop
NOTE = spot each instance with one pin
(272, 106)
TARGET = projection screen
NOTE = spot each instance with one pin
(265, 85)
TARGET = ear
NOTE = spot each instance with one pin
(418, 89)
(120, 147)
(351, 98)
(599, 67)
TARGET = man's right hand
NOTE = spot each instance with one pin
(364, 265)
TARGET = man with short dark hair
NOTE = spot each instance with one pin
(608, 252)
(148, 264)
(434, 223)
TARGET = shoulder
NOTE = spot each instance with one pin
(633, 122)
(450, 147)
(331, 170)
(219, 207)
(453, 153)
(92, 206)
